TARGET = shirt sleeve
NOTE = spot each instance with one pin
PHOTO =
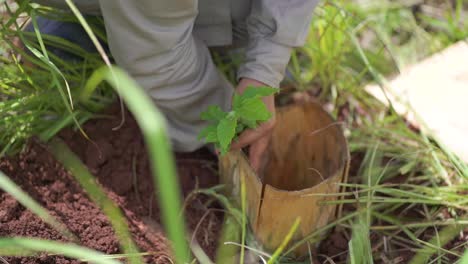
(274, 28)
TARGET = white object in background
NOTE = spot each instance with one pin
(436, 90)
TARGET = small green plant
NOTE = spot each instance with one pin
(248, 111)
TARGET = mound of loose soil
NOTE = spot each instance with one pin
(118, 158)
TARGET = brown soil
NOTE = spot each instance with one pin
(119, 160)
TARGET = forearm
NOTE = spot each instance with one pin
(275, 28)
(265, 62)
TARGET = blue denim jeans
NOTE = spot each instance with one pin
(70, 31)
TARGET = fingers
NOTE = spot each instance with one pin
(257, 153)
(258, 139)
(252, 135)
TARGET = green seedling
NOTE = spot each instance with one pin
(248, 111)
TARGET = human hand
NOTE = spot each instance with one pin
(259, 138)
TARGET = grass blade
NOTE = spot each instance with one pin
(27, 247)
(285, 242)
(443, 237)
(154, 130)
(45, 58)
(243, 219)
(360, 251)
(464, 260)
(89, 31)
(230, 232)
(73, 164)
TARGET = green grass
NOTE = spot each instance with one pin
(405, 178)
(151, 121)
(406, 193)
(274, 258)
(162, 162)
(29, 247)
(37, 98)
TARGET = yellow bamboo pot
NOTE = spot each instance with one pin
(308, 158)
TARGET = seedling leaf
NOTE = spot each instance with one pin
(236, 102)
(209, 134)
(253, 109)
(213, 113)
(249, 123)
(240, 127)
(212, 136)
(257, 92)
(226, 131)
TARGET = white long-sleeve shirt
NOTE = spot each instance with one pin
(163, 44)
(269, 28)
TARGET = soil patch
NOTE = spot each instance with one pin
(118, 158)
(116, 155)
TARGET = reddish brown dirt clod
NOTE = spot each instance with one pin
(119, 160)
